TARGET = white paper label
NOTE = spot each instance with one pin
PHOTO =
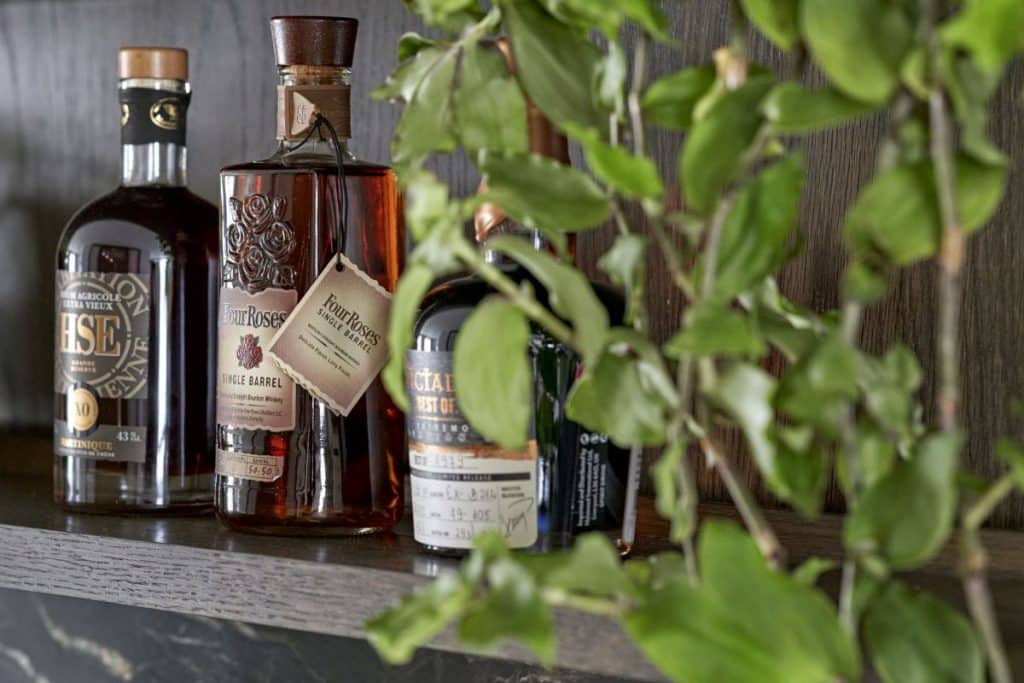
(458, 494)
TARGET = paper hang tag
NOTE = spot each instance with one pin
(333, 343)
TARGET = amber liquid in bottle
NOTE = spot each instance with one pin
(303, 470)
(135, 331)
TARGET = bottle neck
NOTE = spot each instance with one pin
(153, 127)
(303, 93)
(508, 227)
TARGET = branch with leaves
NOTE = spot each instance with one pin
(727, 608)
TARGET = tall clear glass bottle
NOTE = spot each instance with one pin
(285, 463)
(136, 287)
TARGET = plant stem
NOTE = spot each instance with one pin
(981, 509)
(753, 517)
(582, 603)
(636, 115)
(523, 299)
(951, 260)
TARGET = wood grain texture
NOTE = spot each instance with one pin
(58, 148)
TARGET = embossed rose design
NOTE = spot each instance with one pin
(256, 212)
(254, 267)
(235, 241)
(283, 276)
(235, 207)
(278, 241)
(257, 243)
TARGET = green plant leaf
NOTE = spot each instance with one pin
(620, 394)
(568, 291)
(493, 383)
(541, 193)
(626, 265)
(452, 15)
(409, 45)
(675, 492)
(815, 388)
(416, 59)
(889, 385)
(876, 452)
(801, 469)
(713, 154)
(755, 238)
(1013, 455)
(790, 328)
(745, 624)
(426, 123)
(863, 284)
(633, 176)
(608, 15)
(906, 516)
(715, 329)
(991, 30)
(669, 101)
(859, 45)
(489, 108)
(792, 108)
(915, 638)
(414, 284)
(777, 19)
(744, 393)
(592, 567)
(399, 630)
(898, 212)
(811, 569)
(555, 64)
(512, 608)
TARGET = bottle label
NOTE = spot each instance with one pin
(102, 352)
(252, 391)
(334, 342)
(462, 484)
(149, 115)
(599, 495)
(265, 468)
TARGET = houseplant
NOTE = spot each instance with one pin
(727, 607)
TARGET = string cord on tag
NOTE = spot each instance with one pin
(321, 122)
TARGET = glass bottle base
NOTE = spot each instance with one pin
(112, 488)
(305, 526)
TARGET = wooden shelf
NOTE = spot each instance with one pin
(191, 565)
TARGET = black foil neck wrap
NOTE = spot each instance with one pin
(149, 115)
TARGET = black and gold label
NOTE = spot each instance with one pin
(149, 115)
(101, 352)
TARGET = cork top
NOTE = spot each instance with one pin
(153, 62)
(314, 41)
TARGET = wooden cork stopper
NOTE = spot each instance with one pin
(314, 41)
(153, 62)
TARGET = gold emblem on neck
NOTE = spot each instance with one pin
(125, 113)
(166, 113)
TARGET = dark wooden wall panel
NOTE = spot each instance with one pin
(58, 148)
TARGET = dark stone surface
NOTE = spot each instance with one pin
(48, 639)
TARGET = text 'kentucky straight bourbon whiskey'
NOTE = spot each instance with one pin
(136, 282)
(287, 461)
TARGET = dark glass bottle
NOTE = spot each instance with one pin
(136, 286)
(285, 463)
(566, 481)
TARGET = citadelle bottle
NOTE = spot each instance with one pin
(461, 483)
(285, 463)
(136, 280)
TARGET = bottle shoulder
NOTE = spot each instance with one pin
(154, 221)
(305, 164)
